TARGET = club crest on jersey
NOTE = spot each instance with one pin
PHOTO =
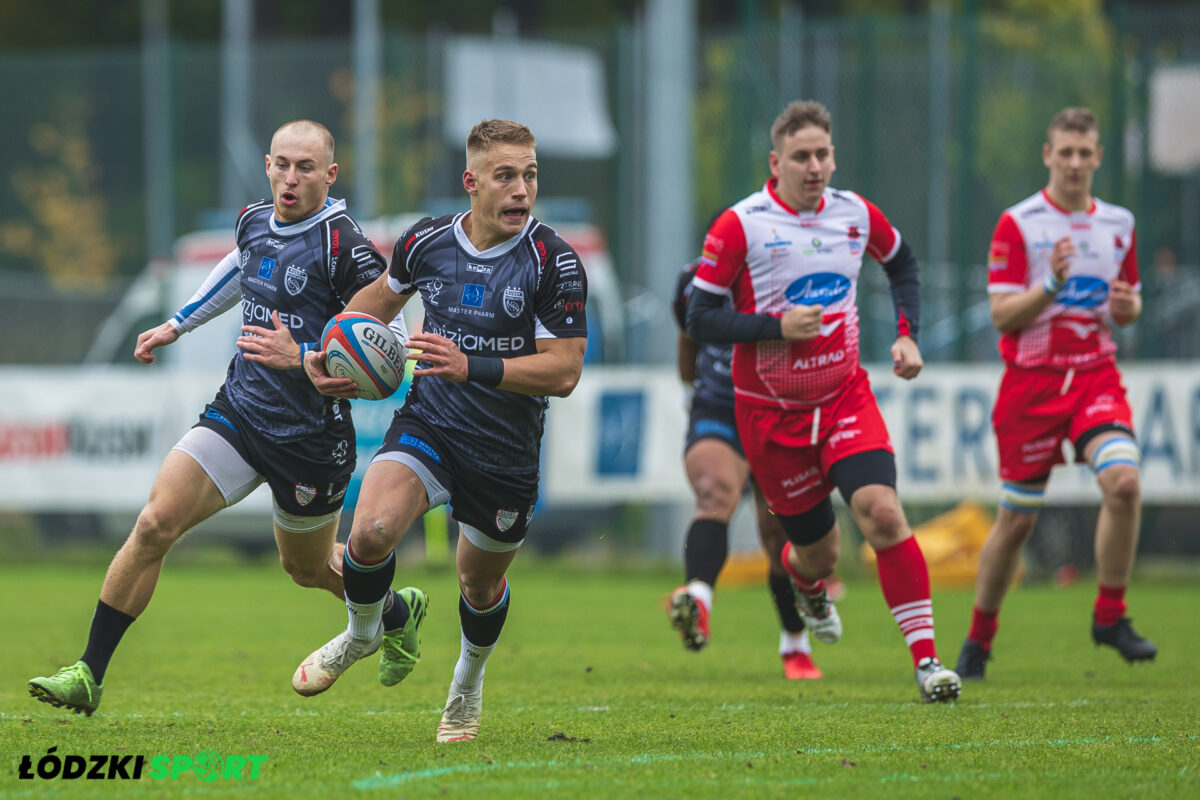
(514, 301)
(819, 289)
(505, 517)
(305, 494)
(295, 279)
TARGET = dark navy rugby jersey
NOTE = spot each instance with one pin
(714, 361)
(492, 303)
(307, 271)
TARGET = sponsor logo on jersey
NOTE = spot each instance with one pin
(541, 248)
(1118, 243)
(853, 233)
(245, 258)
(266, 268)
(757, 209)
(335, 241)
(255, 312)
(420, 445)
(335, 492)
(820, 360)
(799, 478)
(777, 241)
(567, 264)
(473, 294)
(514, 301)
(820, 288)
(339, 452)
(432, 289)
(562, 287)
(305, 494)
(817, 247)
(412, 239)
(505, 517)
(483, 268)
(295, 279)
(1083, 291)
(275, 243)
(365, 255)
(478, 343)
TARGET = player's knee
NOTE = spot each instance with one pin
(884, 514)
(716, 498)
(1122, 487)
(371, 538)
(309, 576)
(479, 591)
(153, 532)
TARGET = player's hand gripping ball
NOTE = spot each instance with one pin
(360, 347)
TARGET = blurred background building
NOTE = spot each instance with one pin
(135, 129)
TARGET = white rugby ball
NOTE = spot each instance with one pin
(360, 347)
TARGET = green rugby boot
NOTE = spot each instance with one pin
(401, 649)
(71, 687)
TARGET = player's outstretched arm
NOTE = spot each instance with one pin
(148, 341)
(553, 370)
(273, 347)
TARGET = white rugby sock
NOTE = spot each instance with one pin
(468, 672)
(365, 618)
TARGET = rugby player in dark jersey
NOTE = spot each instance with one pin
(504, 328)
(299, 258)
(718, 473)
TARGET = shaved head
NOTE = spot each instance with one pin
(304, 128)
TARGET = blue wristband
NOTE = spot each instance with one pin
(1051, 286)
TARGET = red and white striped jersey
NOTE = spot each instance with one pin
(770, 257)
(1074, 330)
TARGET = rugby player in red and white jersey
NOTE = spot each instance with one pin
(789, 257)
(1062, 267)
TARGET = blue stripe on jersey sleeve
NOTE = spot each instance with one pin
(187, 311)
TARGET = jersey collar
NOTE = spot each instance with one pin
(771, 191)
(1061, 210)
(330, 208)
(464, 241)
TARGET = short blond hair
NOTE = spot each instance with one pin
(1073, 118)
(491, 132)
(799, 114)
(307, 124)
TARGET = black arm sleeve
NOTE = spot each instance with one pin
(905, 279)
(710, 320)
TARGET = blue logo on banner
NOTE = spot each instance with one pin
(266, 269)
(820, 289)
(473, 295)
(1084, 292)
(622, 416)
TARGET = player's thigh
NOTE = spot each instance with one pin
(391, 499)
(306, 551)
(182, 496)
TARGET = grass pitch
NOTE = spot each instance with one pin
(590, 694)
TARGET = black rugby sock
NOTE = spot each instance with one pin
(705, 549)
(108, 626)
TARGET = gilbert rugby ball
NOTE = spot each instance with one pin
(360, 347)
